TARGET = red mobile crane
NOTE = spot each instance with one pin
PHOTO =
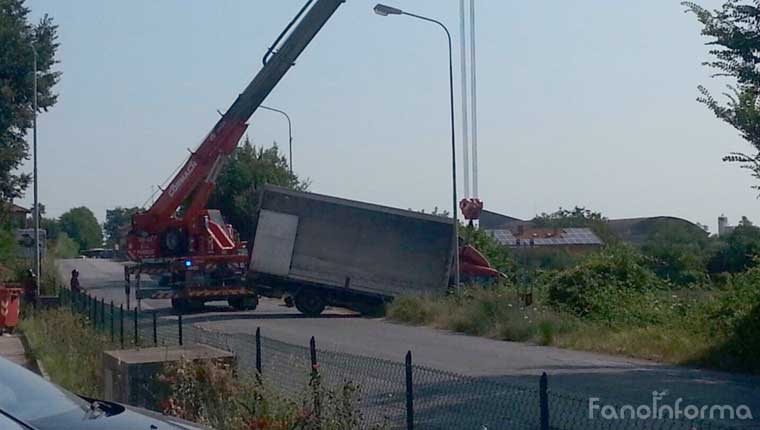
(190, 246)
(178, 237)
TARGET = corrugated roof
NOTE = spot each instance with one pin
(564, 236)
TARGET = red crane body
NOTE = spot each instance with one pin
(191, 247)
(178, 223)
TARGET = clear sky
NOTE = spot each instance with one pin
(589, 102)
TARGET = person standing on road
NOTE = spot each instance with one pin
(75, 287)
(30, 288)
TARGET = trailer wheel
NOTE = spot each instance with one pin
(310, 303)
(372, 310)
(247, 303)
(186, 306)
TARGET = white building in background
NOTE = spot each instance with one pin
(723, 227)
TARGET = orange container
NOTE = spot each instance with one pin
(10, 298)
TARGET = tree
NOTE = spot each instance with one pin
(81, 225)
(117, 223)
(577, 217)
(17, 37)
(734, 31)
(246, 171)
(677, 251)
(51, 226)
(738, 251)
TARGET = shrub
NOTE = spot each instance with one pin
(414, 309)
(676, 251)
(211, 393)
(737, 251)
(610, 286)
(65, 247)
(7, 247)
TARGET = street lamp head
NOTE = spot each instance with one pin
(384, 10)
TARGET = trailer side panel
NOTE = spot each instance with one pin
(354, 245)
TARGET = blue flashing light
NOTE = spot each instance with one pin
(188, 263)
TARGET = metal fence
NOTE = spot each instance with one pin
(396, 395)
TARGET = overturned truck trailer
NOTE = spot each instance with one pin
(315, 250)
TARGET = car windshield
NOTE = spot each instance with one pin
(28, 397)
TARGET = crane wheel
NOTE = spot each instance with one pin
(309, 303)
(174, 242)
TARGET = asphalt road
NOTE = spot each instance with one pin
(613, 378)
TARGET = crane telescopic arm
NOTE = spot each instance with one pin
(197, 175)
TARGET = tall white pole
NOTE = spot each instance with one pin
(36, 212)
(464, 83)
(474, 106)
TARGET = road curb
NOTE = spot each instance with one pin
(34, 364)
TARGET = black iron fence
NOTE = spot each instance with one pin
(398, 395)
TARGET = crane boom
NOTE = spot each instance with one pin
(195, 180)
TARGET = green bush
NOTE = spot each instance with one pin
(65, 247)
(736, 302)
(677, 251)
(737, 251)
(734, 319)
(7, 245)
(612, 286)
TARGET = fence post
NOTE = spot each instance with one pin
(409, 392)
(315, 382)
(121, 325)
(313, 353)
(102, 314)
(258, 353)
(137, 334)
(179, 324)
(544, 400)
(112, 334)
(155, 330)
(95, 313)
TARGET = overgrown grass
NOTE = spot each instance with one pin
(69, 350)
(212, 393)
(497, 313)
(706, 327)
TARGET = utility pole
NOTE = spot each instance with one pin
(36, 212)
(384, 10)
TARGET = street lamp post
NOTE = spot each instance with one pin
(36, 212)
(290, 135)
(384, 10)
